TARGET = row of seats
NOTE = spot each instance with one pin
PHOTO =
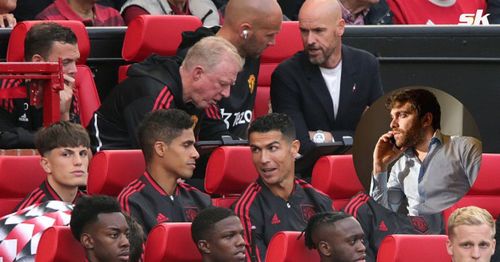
(171, 242)
(148, 35)
(229, 171)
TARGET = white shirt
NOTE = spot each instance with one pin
(332, 78)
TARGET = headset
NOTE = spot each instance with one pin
(245, 34)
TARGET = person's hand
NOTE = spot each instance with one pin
(66, 96)
(328, 136)
(7, 20)
(385, 153)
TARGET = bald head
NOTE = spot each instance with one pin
(253, 12)
(251, 25)
(322, 8)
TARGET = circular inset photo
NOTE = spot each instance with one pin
(417, 151)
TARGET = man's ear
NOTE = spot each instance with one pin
(449, 247)
(204, 247)
(44, 162)
(87, 241)
(427, 119)
(324, 249)
(37, 58)
(295, 147)
(159, 148)
(197, 72)
(340, 27)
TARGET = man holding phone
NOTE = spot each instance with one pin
(431, 170)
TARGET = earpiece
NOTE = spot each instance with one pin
(245, 34)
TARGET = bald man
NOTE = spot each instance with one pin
(326, 87)
(251, 26)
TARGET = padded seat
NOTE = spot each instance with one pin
(413, 248)
(229, 171)
(16, 182)
(57, 244)
(286, 246)
(171, 242)
(112, 170)
(335, 176)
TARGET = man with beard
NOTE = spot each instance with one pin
(431, 170)
(337, 236)
(325, 88)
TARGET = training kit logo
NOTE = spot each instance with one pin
(474, 19)
(251, 83)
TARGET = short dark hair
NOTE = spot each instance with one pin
(274, 122)
(319, 220)
(162, 125)
(204, 222)
(422, 101)
(87, 209)
(61, 134)
(41, 37)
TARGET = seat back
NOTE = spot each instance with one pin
(58, 244)
(413, 248)
(112, 170)
(485, 192)
(16, 182)
(154, 34)
(171, 242)
(288, 42)
(229, 171)
(335, 176)
(15, 49)
(286, 246)
(87, 96)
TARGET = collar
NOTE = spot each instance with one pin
(157, 187)
(177, 11)
(437, 139)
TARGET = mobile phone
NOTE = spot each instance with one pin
(393, 141)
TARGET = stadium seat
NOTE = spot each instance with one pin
(15, 49)
(485, 192)
(336, 177)
(171, 242)
(87, 96)
(288, 246)
(413, 248)
(110, 171)
(229, 171)
(154, 34)
(58, 244)
(288, 42)
(19, 175)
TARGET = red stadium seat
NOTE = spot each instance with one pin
(154, 34)
(19, 175)
(286, 246)
(58, 244)
(171, 242)
(110, 171)
(229, 171)
(15, 50)
(288, 42)
(87, 96)
(485, 191)
(413, 248)
(336, 177)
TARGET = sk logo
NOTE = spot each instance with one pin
(251, 83)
